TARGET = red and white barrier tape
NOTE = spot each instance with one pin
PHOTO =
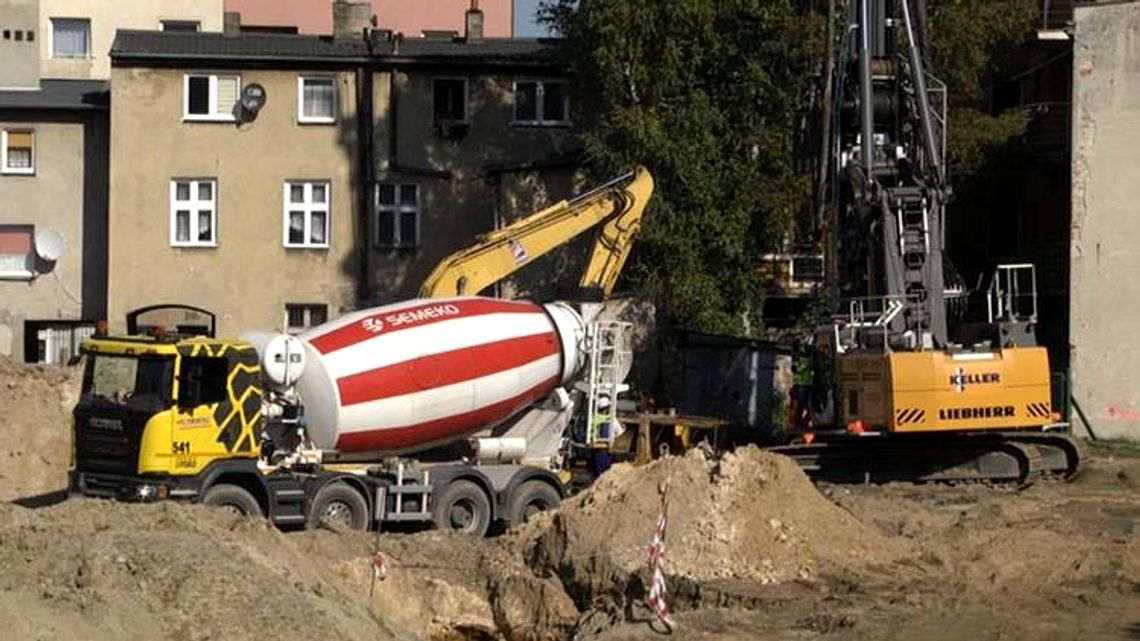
(657, 589)
(379, 566)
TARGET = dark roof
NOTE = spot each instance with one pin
(155, 47)
(59, 94)
(493, 50)
(164, 45)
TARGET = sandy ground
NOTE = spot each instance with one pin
(755, 552)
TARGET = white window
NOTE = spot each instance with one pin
(194, 213)
(18, 151)
(16, 247)
(397, 215)
(316, 99)
(301, 316)
(70, 38)
(307, 214)
(449, 99)
(210, 96)
(541, 102)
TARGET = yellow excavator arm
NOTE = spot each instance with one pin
(618, 205)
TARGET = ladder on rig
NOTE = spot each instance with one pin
(611, 354)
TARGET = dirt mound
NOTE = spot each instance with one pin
(102, 570)
(35, 433)
(751, 515)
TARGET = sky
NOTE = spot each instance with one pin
(526, 26)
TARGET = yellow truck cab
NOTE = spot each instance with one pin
(160, 417)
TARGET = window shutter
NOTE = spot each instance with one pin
(227, 95)
(16, 240)
(22, 139)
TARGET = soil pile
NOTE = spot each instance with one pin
(444, 585)
(89, 569)
(750, 515)
(35, 427)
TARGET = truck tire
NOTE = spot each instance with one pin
(462, 506)
(232, 498)
(531, 498)
(341, 505)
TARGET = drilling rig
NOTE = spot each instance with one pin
(903, 387)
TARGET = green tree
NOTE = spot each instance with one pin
(705, 93)
(970, 41)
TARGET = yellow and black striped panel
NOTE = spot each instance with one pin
(1039, 410)
(238, 415)
(910, 415)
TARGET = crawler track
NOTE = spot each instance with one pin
(1017, 458)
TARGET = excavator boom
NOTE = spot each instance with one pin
(618, 205)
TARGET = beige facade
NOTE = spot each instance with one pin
(103, 18)
(248, 275)
(19, 51)
(407, 185)
(63, 197)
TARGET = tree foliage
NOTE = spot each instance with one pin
(969, 42)
(705, 93)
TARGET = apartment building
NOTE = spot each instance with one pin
(285, 179)
(75, 35)
(53, 195)
(54, 128)
(413, 18)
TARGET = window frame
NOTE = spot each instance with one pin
(51, 45)
(540, 119)
(193, 209)
(17, 171)
(316, 120)
(307, 208)
(306, 310)
(397, 209)
(211, 97)
(25, 273)
(466, 119)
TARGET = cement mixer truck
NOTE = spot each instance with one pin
(449, 411)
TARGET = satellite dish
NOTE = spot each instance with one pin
(50, 244)
(253, 97)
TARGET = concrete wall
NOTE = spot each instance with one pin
(106, 17)
(67, 193)
(465, 191)
(410, 17)
(250, 276)
(19, 20)
(1105, 257)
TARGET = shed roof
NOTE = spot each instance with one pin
(59, 95)
(163, 47)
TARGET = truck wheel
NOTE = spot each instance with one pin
(340, 505)
(531, 498)
(463, 507)
(232, 498)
